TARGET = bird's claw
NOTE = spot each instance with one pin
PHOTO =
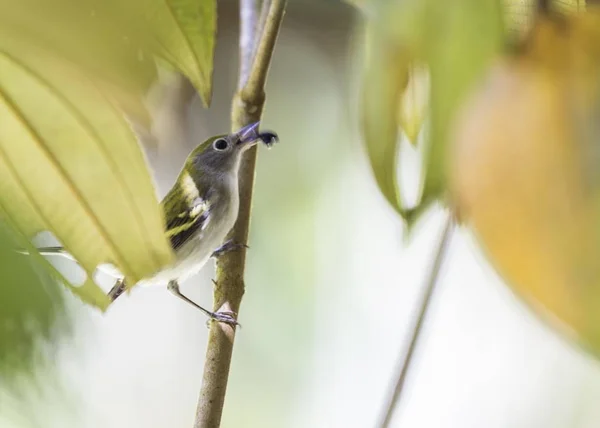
(225, 317)
(228, 246)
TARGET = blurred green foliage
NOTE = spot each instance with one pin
(466, 36)
(32, 310)
(456, 41)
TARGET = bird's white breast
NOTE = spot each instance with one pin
(191, 257)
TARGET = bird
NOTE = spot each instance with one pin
(199, 211)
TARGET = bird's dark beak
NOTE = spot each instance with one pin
(249, 136)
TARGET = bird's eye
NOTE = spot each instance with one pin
(221, 144)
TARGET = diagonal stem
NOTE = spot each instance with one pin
(247, 108)
(407, 360)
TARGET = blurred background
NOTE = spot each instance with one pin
(332, 284)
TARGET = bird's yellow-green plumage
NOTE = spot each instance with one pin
(201, 207)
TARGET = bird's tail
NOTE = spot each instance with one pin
(51, 251)
(117, 290)
(114, 292)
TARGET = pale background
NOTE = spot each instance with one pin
(331, 287)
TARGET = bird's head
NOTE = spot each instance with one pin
(221, 154)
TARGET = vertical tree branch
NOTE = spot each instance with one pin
(406, 361)
(247, 108)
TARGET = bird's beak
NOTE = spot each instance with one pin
(248, 135)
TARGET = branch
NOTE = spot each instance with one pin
(247, 108)
(248, 34)
(254, 90)
(407, 360)
(264, 13)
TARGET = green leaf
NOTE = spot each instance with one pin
(184, 32)
(456, 41)
(70, 164)
(384, 79)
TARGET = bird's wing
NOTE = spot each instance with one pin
(184, 217)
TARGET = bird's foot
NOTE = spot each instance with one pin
(225, 317)
(228, 246)
(117, 290)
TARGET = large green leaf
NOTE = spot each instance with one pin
(184, 32)
(117, 40)
(70, 164)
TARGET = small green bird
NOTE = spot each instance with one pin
(199, 211)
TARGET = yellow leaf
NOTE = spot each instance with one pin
(108, 41)
(520, 14)
(118, 41)
(524, 173)
(70, 164)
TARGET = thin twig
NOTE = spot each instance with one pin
(248, 26)
(247, 108)
(255, 85)
(264, 12)
(407, 360)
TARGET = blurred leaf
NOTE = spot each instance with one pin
(468, 33)
(525, 172)
(116, 41)
(185, 34)
(467, 37)
(385, 78)
(569, 6)
(32, 311)
(520, 14)
(414, 102)
(70, 164)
